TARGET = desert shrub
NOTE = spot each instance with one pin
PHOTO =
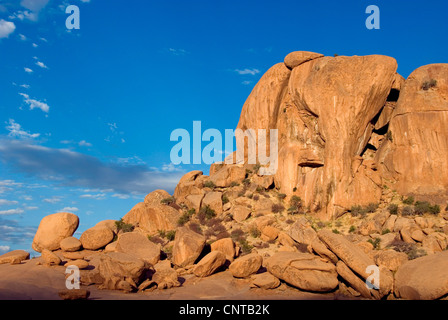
(371, 207)
(168, 201)
(123, 227)
(254, 232)
(358, 211)
(289, 221)
(262, 245)
(393, 208)
(429, 84)
(256, 167)
(294, 189)
(251, 196)
(422, 207)
(407, 211)
(195, 227)
(410, 249)
(246, 182)
(248, 172)
(170, 235)
(206, 213)
(259, 189)
(277, 208)
(156, 240)
(245, 246)
(389, 136)
(336, 231)
(435, 209)
(162, 233)
(225, 199)
(184, 218)
(256, 197)
(209, 184)
(409, 200)
(352, 229)
(281, 196)
(222, 235)
(295, 201)
(234, 184)
(237, 234)
(295, 205)
(385, 231)
(375, 242)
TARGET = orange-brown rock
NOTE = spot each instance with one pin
(226, 246)
(416, 152)
(296, 58)
(138, 245)
(187, 247)
(53, 229)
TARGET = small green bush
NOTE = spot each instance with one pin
(206, 213)
(358, 211)
(385, 231)
(352, 229)
(393, 208)
(407, 211)
(170, 235)
(209, 184)
(246, 182)
(123, 227)
(254, 232)
(168, 201)
(409, 200)
(336, 231)
(371, 207)
(225, 199)
(234, 184)
(375, 243)
(281, 196)
(184, 218)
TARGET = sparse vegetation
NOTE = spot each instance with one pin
(375, 243)
(281, 196)
(124, 227)
(385, 231)
(209, 184)
(410, 249)
(389, 136)
(156, 240)
(246, 182)
(358, 211)
(170, 235)
(184, 218)
(225, 199)
(371, 207)
(393, 208)
(429, 84)
(352, 229)
(195, 227)
(206, 213)
(254, 232)
(277, 208)
(336, 231)
(234, 184)
(168, 201)
(409, 200)
(296, 205)
(407, 211)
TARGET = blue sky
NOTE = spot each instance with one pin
(86, 115)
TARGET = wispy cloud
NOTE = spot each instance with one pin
(4, 202)
(98, 196)
(6, 28)
(41, 64)
(52, 200)
(177, 52)
(22, 37)
(69, 209)
(247, 71)
(247, 82)
(35, 104)
(13, 233)
(16, 131)
(28, 70)
(11, 212)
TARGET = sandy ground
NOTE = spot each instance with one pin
(29, 281)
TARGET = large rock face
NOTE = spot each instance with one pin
(138, 245)
(187, 247)
(417, 150)
(325, 111)
(424, 278)
(53, 229)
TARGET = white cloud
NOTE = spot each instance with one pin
(4, 202)
(84, 143)
(28, 70)
(43, 39)
(31, 208)
(121, 196)
(177, 52)
(98, 196)
(22, 37)
(85, 1)
(4, 249)
(6, 28)
(247, 71)
(52, 200)
(11, 212)
(247, 82)
(69, 209)
(35, 45)
(35, 6)
(171, 168)
(26, 86)
(15, 130)
(41, 64)
(34, 104)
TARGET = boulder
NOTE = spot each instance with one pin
(115, 267)
(151, 219)
(390, 259)
(209, 264)
(111, 224)
(53, 229)
(155, 198)
(244, 266)
(415, 155)
(348, 252)
(139, 246)
(96, 238)
(70, 244)
(194, 201)
(302, 232)
(165, 277)
(228, 174)
(265, 281)
(214, 201)
(270, 233)
(296, 58)
(304, 271)
(240, 213)
(187, 247)
(354, 281)
(424, 278)
(50, 258)
(81, 264)
(226, 246)
(14, 257)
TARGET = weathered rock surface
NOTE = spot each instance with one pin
(50, 258)
(416, 153)
(226, 246)
(244, 266)
(265, 280)
(296, 58)
(14, 257)
(187, 247)
(304, 271)
(209, 264)
(424, 278)
(138, 245)
(96, 238)
(74, 294)
(54, 228)
(70, 244)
